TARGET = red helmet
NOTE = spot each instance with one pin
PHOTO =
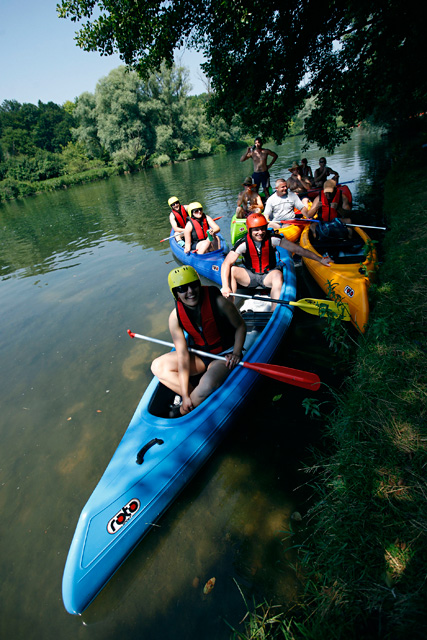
(256, 220)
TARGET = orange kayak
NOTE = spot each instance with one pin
(355, 261)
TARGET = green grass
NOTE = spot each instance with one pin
(363, 555)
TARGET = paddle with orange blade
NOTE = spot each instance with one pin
(298, 378)
(179, 233)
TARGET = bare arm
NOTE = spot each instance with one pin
(174, 224)
(335, 174)
(226, 273)
(233, 316)
(187, 237)
(305, 253)
(183, 356)
(213, 225)
(246, 155)
(273, 155)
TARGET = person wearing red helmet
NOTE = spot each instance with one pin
(258, 249)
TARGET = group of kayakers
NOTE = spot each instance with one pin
(210, 319)
(194, 230)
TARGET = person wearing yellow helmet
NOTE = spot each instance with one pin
(198, 229)
(214, 325)
(258, 250)
(178, 214)
(178, 217)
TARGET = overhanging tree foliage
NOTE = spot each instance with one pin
(358, 59)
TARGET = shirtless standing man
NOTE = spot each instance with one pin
(259, 156)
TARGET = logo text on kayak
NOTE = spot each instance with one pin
(349, 291)
(123, 515)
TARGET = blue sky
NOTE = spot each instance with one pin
(41, 61)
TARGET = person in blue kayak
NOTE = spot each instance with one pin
(214, 325)
(178, 218)
(260, 268)
(200, 231)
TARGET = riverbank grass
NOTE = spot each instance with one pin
(363, 550)
(366, 558)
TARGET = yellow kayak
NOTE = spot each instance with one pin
(354, 266)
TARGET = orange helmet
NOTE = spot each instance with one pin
(256, 220)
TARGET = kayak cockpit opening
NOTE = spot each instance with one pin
(342, 251)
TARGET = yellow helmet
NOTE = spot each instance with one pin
(172, 200)
(182, 275)
(192, 206)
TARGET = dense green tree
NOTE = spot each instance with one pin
(53, 128)
(356, 59)
(125, 119)
(86, 131)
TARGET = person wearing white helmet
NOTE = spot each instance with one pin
(200, 231)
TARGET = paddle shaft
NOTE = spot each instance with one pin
(346, 224)
(294, 377)
(263, 298)
(179, 233)
(309, 305)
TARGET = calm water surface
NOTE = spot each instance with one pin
(78, 268)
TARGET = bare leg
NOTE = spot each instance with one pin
(274, 281)
(166, 369)
(203, 246)
(215, 375)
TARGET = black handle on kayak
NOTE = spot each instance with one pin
(141, 453)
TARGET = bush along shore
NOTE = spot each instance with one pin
(362, 561)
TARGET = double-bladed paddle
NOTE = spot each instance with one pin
(179, 233)
(310, 305)
(298, 378)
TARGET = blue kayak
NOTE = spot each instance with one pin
(156, 458)
(207, 265)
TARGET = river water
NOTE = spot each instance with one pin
(78, 268)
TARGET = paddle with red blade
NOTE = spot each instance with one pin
(295, 377)
(179, 233)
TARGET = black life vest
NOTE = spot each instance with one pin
(181, 217)
(199, 230)
(327, 212)
(216, 333)
(261, 262)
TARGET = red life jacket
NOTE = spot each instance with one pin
(328, 213)
(207, 337)
(263, 262)
(199, 230)
(181, 216)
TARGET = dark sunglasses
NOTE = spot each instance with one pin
(183, 288)
(176, 202)
(197, 210)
